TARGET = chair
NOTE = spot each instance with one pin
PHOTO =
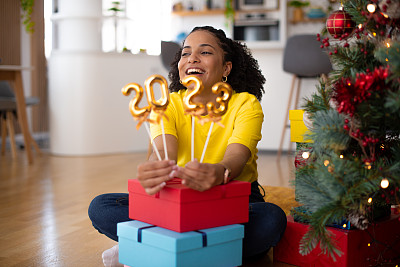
(8, 109)
(304, 58)
(168, 52)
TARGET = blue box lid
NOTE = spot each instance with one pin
(178, 242)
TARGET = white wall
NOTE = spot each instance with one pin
(88, 113)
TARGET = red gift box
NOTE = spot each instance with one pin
(359, 247)
(181, 209)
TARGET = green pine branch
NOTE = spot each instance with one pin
(328, 132)
(393, 102)
(394, 161)
(318, 234)
(354, 8)
(391, 56)
(349, 61)
(319, 101)
(375, 115)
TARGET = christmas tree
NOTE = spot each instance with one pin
(350, 175)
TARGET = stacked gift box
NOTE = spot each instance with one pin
(180, 226)
(359, 247)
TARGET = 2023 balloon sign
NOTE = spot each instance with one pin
(214, 110)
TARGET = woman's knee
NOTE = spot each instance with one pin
(106, 211)
(278, 219)
(95, 207)
(273, 223)
(103, 204)
(267, 223)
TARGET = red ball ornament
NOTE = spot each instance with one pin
(339, 23)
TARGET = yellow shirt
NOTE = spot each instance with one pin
(242, 121)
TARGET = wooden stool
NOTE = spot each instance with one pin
(7, 123)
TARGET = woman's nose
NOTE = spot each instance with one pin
(193, 58)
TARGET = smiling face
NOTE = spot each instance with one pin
(203, 57)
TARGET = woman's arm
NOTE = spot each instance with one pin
(172, 148)
(154, 173)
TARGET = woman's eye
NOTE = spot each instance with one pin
(206, 52)
(184, 54)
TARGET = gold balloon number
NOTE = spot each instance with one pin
(157, 105)
(224, 93)
(190, 106)
(133, 104)
(221, 89)
(162, 103)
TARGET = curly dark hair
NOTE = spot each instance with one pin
(245, 75)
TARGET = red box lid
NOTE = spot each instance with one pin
(177, 192)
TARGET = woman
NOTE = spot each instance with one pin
(231, 153)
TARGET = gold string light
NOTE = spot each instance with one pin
(384, 183)
(371, 8)
(368, 165)
(305, 155)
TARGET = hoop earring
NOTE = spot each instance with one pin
(180, 81)
(224, 78)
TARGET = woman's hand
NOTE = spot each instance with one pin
(153, 175)
(200, 176)
(203, 176)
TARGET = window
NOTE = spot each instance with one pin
(141, 25)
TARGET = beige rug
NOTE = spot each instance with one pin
(281, 196)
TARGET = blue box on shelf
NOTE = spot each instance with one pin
(143, 244)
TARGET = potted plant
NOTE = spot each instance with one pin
(298, 13)
(27, 9)
(115, 9)
(229, 14)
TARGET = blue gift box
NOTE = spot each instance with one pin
(143, 244)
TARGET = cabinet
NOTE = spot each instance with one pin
(184, 21)
(243, 28)
(206, 12)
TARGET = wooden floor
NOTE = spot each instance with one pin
(43, 207)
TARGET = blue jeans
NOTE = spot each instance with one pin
(266, 225)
